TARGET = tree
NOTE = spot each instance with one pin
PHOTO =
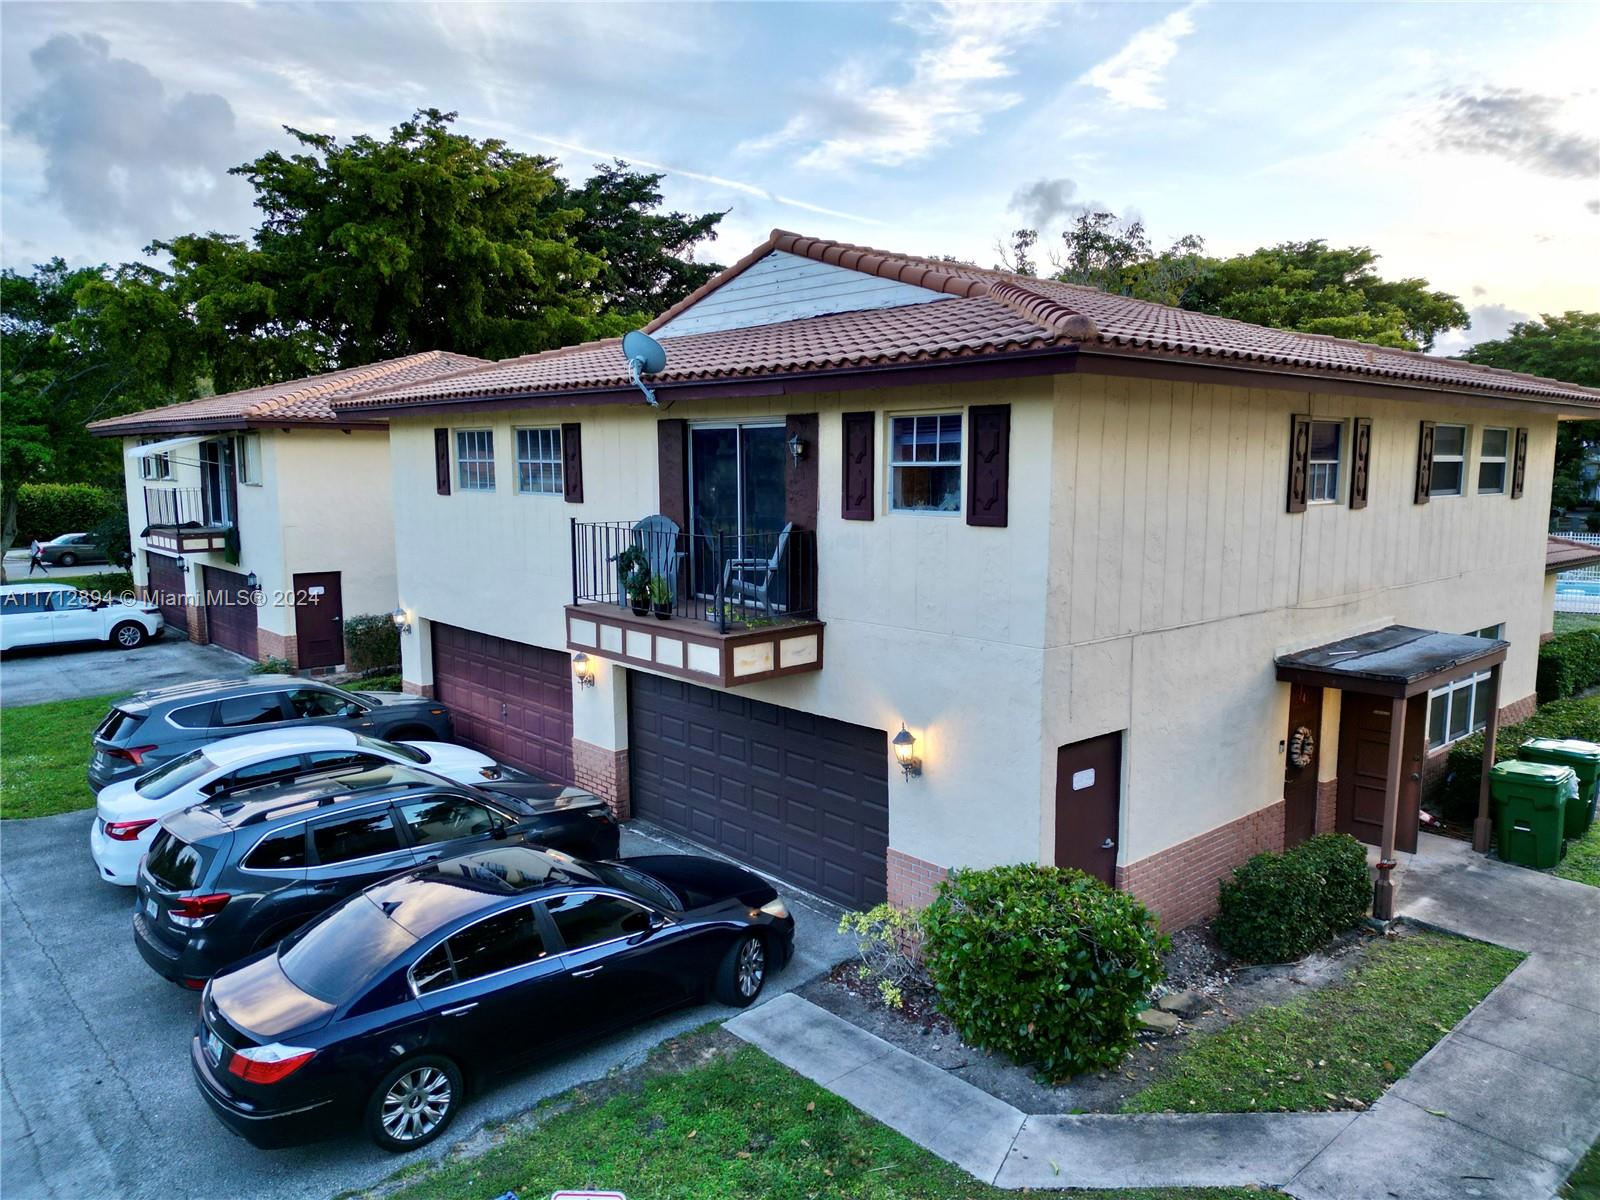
(1116, 256)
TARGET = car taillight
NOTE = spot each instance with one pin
(127, 831)
(193, 911)
(268, 1064)
(134, 754)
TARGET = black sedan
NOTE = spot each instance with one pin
(392, 1004)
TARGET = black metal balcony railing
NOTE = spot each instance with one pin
(180, 508)
(730, 580)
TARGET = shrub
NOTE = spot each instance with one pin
(889, 943)
(47, 510)
(1457, 797)
(371, 643)
(1278, 907)
(1569, 663)
(272, 666)
(1043, 964)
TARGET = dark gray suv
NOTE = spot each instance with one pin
(148, 728)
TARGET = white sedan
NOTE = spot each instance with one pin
(127, 812)
(52, 614)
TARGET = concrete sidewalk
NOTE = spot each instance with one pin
(1503, 1106)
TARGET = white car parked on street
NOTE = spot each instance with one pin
(127, 812)
(50, 614)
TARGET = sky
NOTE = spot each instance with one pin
(1459, 141)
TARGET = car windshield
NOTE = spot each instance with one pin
(400, 748)
(336, 957)
(626, 879)
(169, 777)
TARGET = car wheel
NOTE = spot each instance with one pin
(414, 1103)
(129, 635)
(67, 560)
(743, 972)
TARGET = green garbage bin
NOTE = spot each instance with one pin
(1530, 801)
(1582, 757)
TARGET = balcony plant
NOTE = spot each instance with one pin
(633, 571)
(660, 597)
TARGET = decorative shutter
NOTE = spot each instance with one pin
(1360, 462)
(857, 473)
(672, 439)
(1299, 461)
(441, 461)
(572, 462)
(1424, 464)
(988, 464)
(1519, 465)
(800, 478)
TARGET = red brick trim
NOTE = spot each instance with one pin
(197, 623)
(605, 773)
(1179, 884)
(1327, 805)
(416, 689)
(913, 882)
(1518, 710)
(270, 644)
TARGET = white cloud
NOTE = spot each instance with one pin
(1490, 323)
(1129, 78)
(951, 89)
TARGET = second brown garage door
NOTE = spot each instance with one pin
(509, 699)
(801, 797)
(230, 610)
(165, 582)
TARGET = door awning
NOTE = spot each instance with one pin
(1394, 661)
(170, 444)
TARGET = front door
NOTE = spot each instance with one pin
(736, 495)
(1088, 800)
(318, 620)
(1300, 758)
(1364, 768)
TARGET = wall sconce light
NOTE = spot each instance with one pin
(401, 619)
(905, 752)
(183, 565)
(252, 582)
(583, 669)
(797, 449)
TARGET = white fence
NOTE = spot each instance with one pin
(1579, 599)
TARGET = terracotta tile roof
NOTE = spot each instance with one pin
(989, 313)
(1564, 554)
(295, 401)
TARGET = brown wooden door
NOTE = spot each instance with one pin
(230, 610)
(1088, 801)
(508, 699)
(1300, 782)
(1364, 766)
(318, 620)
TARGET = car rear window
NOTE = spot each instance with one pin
(338, 956)
(118, 724)
(180, 772)
(175, 864)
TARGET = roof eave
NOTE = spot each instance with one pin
(239, 425)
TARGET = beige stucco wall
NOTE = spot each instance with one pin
(1547, 616)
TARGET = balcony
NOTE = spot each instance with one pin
(185, 520)
(737, 607)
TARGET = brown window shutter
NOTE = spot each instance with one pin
(441, 461)
(988, 464)
(1299, 460)
(857, 473)
(1424, 464)
(1519, 466)
(672, 457)
(572, 462)
(1360, 461)
(800, 478)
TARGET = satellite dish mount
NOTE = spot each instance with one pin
(645, 357)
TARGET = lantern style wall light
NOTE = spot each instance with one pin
(401, 619)
(583, 669)
(905, 752)
(797, 448)
(252, 582)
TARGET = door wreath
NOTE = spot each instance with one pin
(1302, 747)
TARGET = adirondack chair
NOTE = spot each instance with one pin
(657, 536)
(753, 580)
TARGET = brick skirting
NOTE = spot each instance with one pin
(270, 644)
(605, 773)
(1327, 805)
(1179, 883)
(1518, 710)
(913, 883)
(416, 689)
(197, 622)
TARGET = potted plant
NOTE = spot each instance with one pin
(660, 597)
(633, 571)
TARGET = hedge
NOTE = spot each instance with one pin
(372, 642)
(1457, 798)
(47, 510)
(1280, 907)
(1569, 663)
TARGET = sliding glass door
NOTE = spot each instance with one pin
(736, 495)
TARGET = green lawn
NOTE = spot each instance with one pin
(44, 754)
(1342, 1044)
(1584, 1182)
(1583, 858)
(726, 1129)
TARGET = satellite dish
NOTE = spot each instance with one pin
(645, 357)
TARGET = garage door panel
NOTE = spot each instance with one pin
(509, 699)
(230, 610)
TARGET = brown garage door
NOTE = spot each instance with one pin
(508, 699)
(230, 610)
(805, 798)
(166, 590)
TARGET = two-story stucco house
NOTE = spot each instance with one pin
(260, 519)
(960, 568)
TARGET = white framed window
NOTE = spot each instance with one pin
(539, 462)
(155, 467)
(925, 463)
(1449, 460)
(1323, 461)
(1462, 707)
(1492, 446)
(247, 458)
(475, 460)
(1493, 632)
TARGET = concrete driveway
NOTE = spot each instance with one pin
(37, 674)
(98, 1100)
